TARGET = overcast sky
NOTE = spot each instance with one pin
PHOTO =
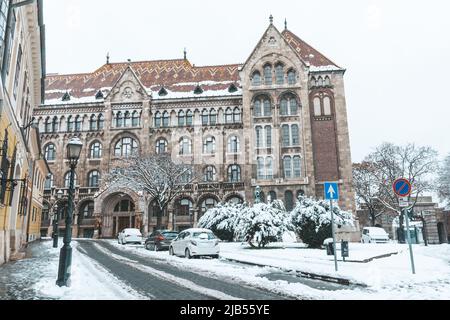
(396, 52)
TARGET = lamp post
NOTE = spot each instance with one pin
(65, 258)
(55, 234)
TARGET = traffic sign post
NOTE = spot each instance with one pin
(332, 193)
(402, 188)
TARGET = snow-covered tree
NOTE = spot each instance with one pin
(222, 219)
(443, 181)
(311, 220)
(263, 223)
(157, 177)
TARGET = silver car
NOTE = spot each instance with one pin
(195, 243)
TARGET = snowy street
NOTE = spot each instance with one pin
(106, 270)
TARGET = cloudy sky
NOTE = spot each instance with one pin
(396, 52)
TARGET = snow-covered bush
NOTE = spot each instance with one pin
(221, 220)
(263, 223)
(311, 220)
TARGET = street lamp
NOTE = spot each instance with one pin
(65, 258)
(55, 235)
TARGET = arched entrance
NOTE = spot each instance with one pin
(119, 212)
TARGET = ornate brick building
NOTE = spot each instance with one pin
(278, 121)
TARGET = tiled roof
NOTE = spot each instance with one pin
(175, 75)
(308, 53)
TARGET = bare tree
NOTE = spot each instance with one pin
(443, 181)
(414, 163)
(157, 177)
(366, 188)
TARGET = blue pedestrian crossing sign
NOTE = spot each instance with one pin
(331, 191)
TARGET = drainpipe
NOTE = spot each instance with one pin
(30, 207)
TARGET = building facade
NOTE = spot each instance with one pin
(277, 121)
(23, 167)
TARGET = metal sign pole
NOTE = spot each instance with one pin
(409, 240)
(334, 236)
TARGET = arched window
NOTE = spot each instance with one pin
(161, 146)
(101, 122)
(70, 125)
(229, 116)
(259, 137)
(205, 117)
(93, 125)
(136, 119)
(185, 146)
(181, 118)
(327, 81)
(289, 105)
(295, 135)
(285, 135)
(124, 206)
(300, 193)
(50, 152)
(292, 77)
(49, 182)
(207, 204)
(87, 211)
(48, 125)
(256, 78)
(268, 130)
(257, 112)
(237, 115)
(184, 207)
(268, 74)
(126, 147)
(297, 167)
(78, 124)
(235, 200)
(269, 168)
(186, 177)
(55, 124)
(209, 145)
(234, 173)
(233, 144)
(96, 150)
(320, 82)
(189, 118)
(279, 74)
(289, 200)
(313, 82)
(94, 179)
(209, 174)
(67, 180)
(272, 196)
(327, 106)
(261, 169)
(287, 163)
(165, 119)
(317, 107)
(213, 117)
(127, 119)
(293, 106)
(157, 120)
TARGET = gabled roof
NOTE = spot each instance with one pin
(177, 76)
(308, 54)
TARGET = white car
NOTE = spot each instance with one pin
(195, 243)
(374, 235)
(130, 236)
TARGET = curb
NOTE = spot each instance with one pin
(304, 274)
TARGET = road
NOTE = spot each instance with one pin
(159, 281)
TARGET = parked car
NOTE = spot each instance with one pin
(374, 235)
(195, 243)
(130, 236)
(160, 240)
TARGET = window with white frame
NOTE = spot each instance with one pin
(209, 145)
(233, 144)
(94, 179)
(209, 174)
(161, 146)
(67, 180)
(185, 146)
(96, 150)
(234, 173)
(126, 147)
(50, 152)
(279, 74)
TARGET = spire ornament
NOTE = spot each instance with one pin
(271, 19)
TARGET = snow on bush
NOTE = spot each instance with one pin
(263, 223)
(221, 220)
(311, 220)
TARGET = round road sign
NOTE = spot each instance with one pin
(402, 187)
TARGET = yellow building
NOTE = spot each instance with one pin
(22, 168)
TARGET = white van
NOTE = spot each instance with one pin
(374, 235)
